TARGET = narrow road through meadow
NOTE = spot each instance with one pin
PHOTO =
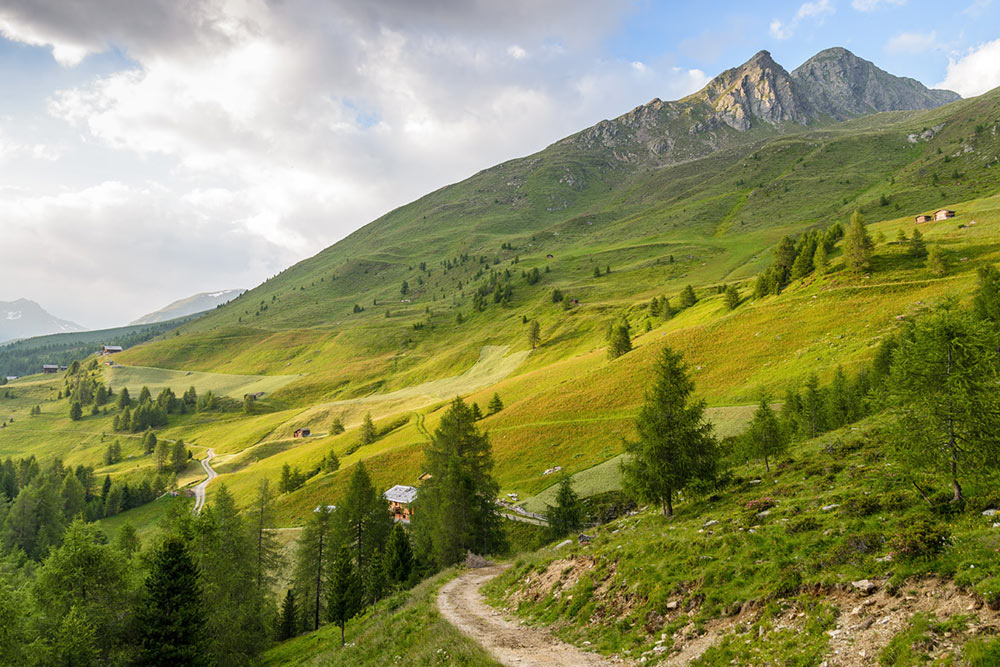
(461, 604)
(199, 491)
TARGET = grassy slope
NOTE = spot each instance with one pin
(838, 505)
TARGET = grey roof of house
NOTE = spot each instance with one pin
(401, 494)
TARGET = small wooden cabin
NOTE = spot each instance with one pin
(50, 368)
(401, 499)
(923, 218)
(111, 349)
(301, 433)
(943, 214)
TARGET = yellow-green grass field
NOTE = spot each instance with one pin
(220, 384)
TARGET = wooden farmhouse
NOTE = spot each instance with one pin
(301, 433)
(111, 349)
(50, 368)
(924, 218)
(401, 502)
(943, 214)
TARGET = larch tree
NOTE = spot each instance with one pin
(941, 392)
(858, 245)
(311, 565)
(534, 334)
(688, 297)
(765, 438)
(362, 521)
(567, 514)
(456, 510)
(367, 435)
(675, 445)
(732, 297)
(398, 556)
(344, 597)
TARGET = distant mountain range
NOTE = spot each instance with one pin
(189, 306)
(25, 318)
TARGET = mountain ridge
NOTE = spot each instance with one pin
(24, 318)
(197, 303)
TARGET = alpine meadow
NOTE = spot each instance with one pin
(714, 382)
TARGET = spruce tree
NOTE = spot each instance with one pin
(398, 556)
(858, 245)
(567, 514)
(675, 445)
(170, 616)
(937, 261)
(344, 599)
(123, 399)
(149, 441)
(288, 621)
(820, 261)
(812, 408)
(619, 342)
(986, 302)
(495, 405)
(75, 411)
(456, 510)
(337, 427)
(178, 456)
(477, 414)
(362, 521)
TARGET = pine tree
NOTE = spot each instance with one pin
(986, 302)
(288, 621)
(688, 298)
(267, 551)
(375, 582)
(534, 334)
(477, 414)
(149, 441)
(162, 455)
(901, 236)
(803, 265)
(675, 445)
(764, 437)
(456, 510)
(367, 435)
(170, 617)
(178, 456)
(128, 540)
(567, 515)
(495, 405)
(337, 427)
(784, 255)
(732, 297)
(812, 408)
(344, 600)
(76, 411)
(858, 245)
(123, 399)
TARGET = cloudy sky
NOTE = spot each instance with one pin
(150, 150)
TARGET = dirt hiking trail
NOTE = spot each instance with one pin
(509, 643)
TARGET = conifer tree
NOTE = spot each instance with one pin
(162, 455)
(619, 342)
(567, 514)
(170, 616)
(732, 297)
(764, 437)
(288, 621)
(178, 456)
(675, 444)
(477, 414)
(375, 581)
(986, 302)
(337, 427)
(688, 298)
(398, 556)
(149, 441)
(311, 567)
(495, 405)
(916, 246)
(456, 510)
(812, 408)
(858, 245)
(367, 435)
(344, 599)
(75, 411)
(820, 261)
(123, 399)
(937, 261)
(362, 521)
(534, 334)
(267, 551)
(942, 395)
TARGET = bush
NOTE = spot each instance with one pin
(989, 591)
(919, 539)
(860, 506)
(856, 546)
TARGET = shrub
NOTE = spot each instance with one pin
(856, 546)
(919, 539)
(860, 506)
(989, 591)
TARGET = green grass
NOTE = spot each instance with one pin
(220, 384)
(406, 630)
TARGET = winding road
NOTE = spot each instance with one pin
(199, 491)
(461, 604)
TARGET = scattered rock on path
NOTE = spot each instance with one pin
(866, 586)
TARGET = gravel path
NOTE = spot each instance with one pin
(199, 491)
(510, 643)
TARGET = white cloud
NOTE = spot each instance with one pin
(814, 11)
(911, 42)
(975, 72)
(271, 130)
(873, 5)
(977, 8)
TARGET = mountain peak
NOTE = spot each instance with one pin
(840, 85)
(759, 90)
